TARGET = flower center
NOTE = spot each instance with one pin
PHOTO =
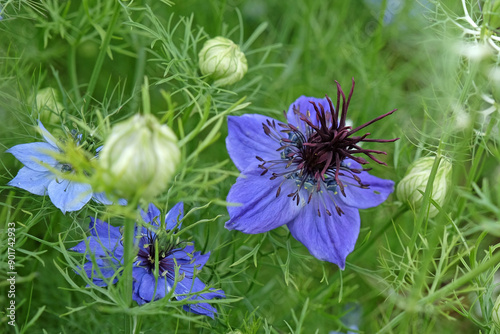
(315, 156)
(147, 253)
(66, 168)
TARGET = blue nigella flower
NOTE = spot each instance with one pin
(305, 174)
(105, 243)
(38, 179)
(351, 320)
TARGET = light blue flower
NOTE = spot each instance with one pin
(38, 179)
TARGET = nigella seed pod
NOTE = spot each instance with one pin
(491, 14)
(222, 60)
(139, 157)
(415, 181)
(47, 107)
(495, 314)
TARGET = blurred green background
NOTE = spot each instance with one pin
(402, 55)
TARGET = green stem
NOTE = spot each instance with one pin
(128, 245)
(490, 263)
(72, 71)
(100, 58)
(129, 254)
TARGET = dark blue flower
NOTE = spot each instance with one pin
(304, 173)
(105, 243)
(38, 179)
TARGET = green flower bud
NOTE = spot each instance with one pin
(139, 157)
(48, 107)
(495, 314)
(491, 14)
(416, 179)
(222, 61)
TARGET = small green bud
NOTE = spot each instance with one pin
(139, 157)
(222, 61)
(491, 14)
(495, 314)
(416, 179)
(47, 105)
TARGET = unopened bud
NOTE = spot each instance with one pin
(410, 187)
(47, 105)
(495, 314)
(491, 14)
(222, 60)
(139, 157)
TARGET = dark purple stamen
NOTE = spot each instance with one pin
(314, 159)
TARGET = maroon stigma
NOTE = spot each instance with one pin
(315, 158)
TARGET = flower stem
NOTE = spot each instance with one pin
(128, 243)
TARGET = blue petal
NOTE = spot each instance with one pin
(146, 288)
(304, 106)
(261, 209)
(188, 286)
(137, 274)
(152, 216)
(328, 238)
(101, 247)
(69, 196)
(377, 193)
(187, 260)
(35, 182)
(101, 198)
(246, 140)
(34, 155)
(174, 215)
(106, 269)
(98, 228)
(47, 136)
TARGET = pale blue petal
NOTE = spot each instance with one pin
(69, 196)
(47, 136)
(35, 182)
(101, 198)
(246, 140)
(260, 210)
(35, 155)
(327, 237)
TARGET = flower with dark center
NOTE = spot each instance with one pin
(38, 178)
(307, 173)
(159, 253)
